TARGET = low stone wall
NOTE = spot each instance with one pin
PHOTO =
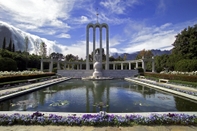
(106, 73)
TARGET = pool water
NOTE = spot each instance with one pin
(92, 96)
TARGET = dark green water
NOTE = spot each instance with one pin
(82, 96)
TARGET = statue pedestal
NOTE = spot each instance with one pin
(97, 70)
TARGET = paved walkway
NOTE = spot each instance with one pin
(91, 128)
(15, 91)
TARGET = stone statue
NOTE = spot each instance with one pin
(97, 66)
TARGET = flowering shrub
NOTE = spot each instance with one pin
(100, 119)
(13, 73)
(179, 73)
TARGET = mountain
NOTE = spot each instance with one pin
(133, 56)
(18, 39)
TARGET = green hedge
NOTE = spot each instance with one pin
(172, 77)
(24, 77)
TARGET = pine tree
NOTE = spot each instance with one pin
(4, 43)
(10, 45)
(13, 48)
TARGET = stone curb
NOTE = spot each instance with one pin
(164, 89)
(33, 88)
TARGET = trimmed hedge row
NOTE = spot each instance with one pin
(24, 77)
(172, 77)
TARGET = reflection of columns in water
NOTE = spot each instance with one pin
(87, 100)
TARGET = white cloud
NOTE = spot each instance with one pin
(161, 7)
(117, 6)
(63, 35)
(38, 13)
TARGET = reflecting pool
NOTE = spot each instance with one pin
(92, 96)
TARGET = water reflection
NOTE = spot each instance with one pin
(82, 96)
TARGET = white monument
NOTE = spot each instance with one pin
(97, 67)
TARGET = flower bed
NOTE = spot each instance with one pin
(15, 76)
(13, 73)
(100, 119)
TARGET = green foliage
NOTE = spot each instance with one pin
(4, 43)
(185, 45)
(161, 62)
(10, 45)
(140, 71)
(144, 53)
(43, 50)
(7, 64)
(26, 43)
(186, 65)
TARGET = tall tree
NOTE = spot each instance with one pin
(4, 43)
(185, 45)
(26, 48)
(144, 53)
(13, 47)
(26, 43)
(36, 47)
(43, 50)
(10, 45)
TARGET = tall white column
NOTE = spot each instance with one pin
(101, 57)
(94, 42)
(136, 65)
(153, 64)
(121, 66)
(87, 48)
(72, 66)
(129, 65)
(58, 65)
(51, 65)
(114, 66)
(64, 66)
(80, 66)
(107, 48)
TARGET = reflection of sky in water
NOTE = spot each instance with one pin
(120, 95)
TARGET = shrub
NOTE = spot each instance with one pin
(186, 65)
(7, 64)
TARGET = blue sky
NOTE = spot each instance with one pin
(134, 25)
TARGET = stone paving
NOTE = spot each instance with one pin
(29, 88)
(91, 128)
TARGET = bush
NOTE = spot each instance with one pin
(7, 64)
(186, 65)
(140, 71)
